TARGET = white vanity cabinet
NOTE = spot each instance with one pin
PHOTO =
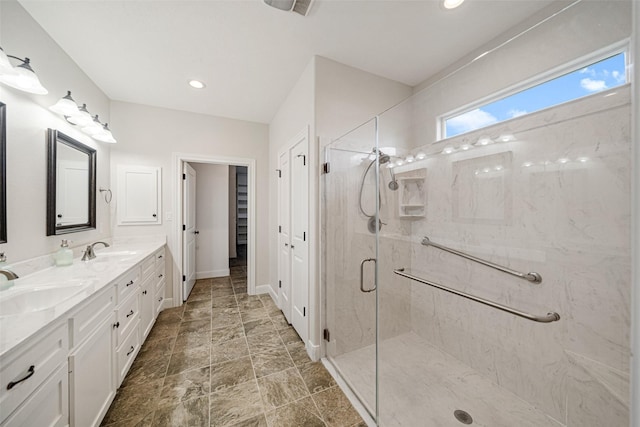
(68, 372)
(92, 384)
(92, 381)
(34, 381)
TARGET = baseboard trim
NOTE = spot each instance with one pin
(264, 289)
(313, 351)
(213, 273)
(167, 303)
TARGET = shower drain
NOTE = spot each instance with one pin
(463, 416)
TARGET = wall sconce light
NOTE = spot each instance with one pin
(21, 77)
(79, 116)
(420, 155)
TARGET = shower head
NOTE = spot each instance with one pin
(393, 184)
(384, 158)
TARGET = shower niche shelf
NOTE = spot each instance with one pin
(412, 199)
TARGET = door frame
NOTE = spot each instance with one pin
(177, 160)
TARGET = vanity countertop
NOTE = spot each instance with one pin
(25, 308)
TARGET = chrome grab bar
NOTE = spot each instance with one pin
(532, 276)
(362, 289)
(550, 317)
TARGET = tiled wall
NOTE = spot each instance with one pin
(556, 201)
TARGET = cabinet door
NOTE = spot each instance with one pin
(147, 312)
(92, 376)
(138, 195)
(48, 406)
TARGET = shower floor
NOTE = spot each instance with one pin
(422, 386)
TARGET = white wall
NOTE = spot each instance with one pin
(212, 220)
(331, 99)
(635, 237)
(149, 136)
(28, 118)
(295, 114)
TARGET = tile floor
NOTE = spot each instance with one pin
(226, 358)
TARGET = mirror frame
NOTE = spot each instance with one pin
(3, 173)
(53, 138)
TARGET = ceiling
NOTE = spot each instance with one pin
(250, 55)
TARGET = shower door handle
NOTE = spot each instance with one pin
(362, 289)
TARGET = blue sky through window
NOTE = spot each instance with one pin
(596, 77)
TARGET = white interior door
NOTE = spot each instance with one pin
(284, 239)
(188, 230)
(300, 236)
(72, 197)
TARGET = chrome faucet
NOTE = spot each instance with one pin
(89, 253)
(10, 275)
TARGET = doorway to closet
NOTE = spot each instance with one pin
(216, 221)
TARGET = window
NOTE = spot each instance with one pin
(595, 77)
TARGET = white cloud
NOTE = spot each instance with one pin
(587, 70)
(620, 77)
(474, 119)
(593, 85)
(516, 113)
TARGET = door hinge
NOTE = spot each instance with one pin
(184, 278)
(326, 168)
(304, 236)
(326, 335)
(279, 229)
(184, 176)
(279, 173)
(279, 283)
(184, 227)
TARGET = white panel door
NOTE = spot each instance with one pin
(284, 239)
(189, 230)
(299, 236)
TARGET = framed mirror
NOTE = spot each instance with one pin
(3, 173)
(71, 185)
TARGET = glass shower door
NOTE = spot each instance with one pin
(349, 191)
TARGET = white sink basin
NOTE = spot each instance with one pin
(33, 299)
(115, 255)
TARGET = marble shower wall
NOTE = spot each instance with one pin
(555, 200)
(351, 314)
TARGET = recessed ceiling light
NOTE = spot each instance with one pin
(196, 84)
(451, 4)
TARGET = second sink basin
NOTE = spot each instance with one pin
(34, 299)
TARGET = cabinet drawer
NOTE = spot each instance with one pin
(127, 353)
(159, 278)
(158, 300)
(126, 284)
(48, 406)
(160, 257)
(47, 353)
(127, 315)
(148, 265)
(91, 315)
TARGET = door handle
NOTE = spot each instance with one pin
(362, 289)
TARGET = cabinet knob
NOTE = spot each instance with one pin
(154, 215)
(59, 215)
(196, 232)
(30, 372)
(159, 299)
(160, 276)
(116, 325)
(130, 283)
(293, 247)
(144, 292)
